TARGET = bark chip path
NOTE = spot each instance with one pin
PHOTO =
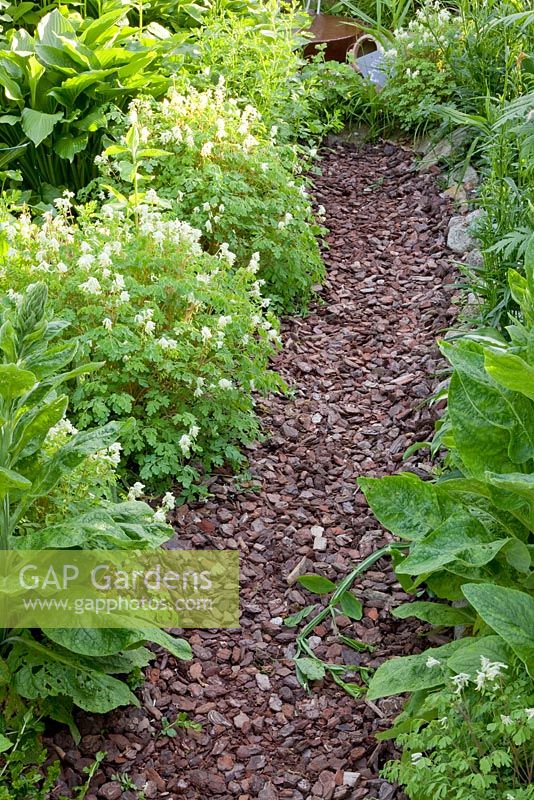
(360, 366)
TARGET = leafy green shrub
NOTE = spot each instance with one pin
(184, 335)
(505, 139)
(22, 756)
(470, 531)
(64, 86)
(473, 738)
(259, 60)
(61, 668)
(223, 173)
(419, 72)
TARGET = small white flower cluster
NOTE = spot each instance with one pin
(144, 319)
(167, 504)
(109, 455)
(488, 674)
(136, 490)
(187, 440)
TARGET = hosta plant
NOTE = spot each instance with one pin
(61, 668)
(222, 172)
(63, 86)
(184, 335)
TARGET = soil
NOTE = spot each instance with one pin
(361, 367)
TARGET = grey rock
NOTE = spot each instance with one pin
(475, 258)
(460, 238)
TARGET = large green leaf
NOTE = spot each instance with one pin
(459, 538)
(411, 673)
(41, 672)
(493, 427)
(109, 641)
(434, 613)
(14, 381)
(510, 371)
(509, 613)
(37, 125)
(404, 504)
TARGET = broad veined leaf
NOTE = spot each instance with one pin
(68, 146)
(34, 425)
(15, 382)
(9, 479)
(37, 125)
(40, 672)
(102, 25)
(510, 371)
(317, 584)
(53, 25)
(411, 673)
(493, 427)
(404, 504)
(459, 538)
(434, 613)
(71, 88)
(109, 641)
(509, 613)
(467, 659)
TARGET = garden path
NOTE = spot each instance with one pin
(361, 366)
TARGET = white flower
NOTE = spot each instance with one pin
(119, 281)
(194, 430)
(224, 321)
(205, 333)
(225, 252)
(530, 713)
(432, 662)
(493, 669)
(160, 515)
(442, 721)
(107, 323)
(167, 344)
(136, 490)
(206, 149)
(204, 278)
(86, 261)
(416, 757)
(185, 443)
(506, 720)
(224, 383)
(61, 267)
(150, 327)
(124, 297)
(460, 680)
(169, 501)
(91, 286)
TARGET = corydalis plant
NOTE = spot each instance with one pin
(61, 668)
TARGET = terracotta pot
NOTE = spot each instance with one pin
(337, 33)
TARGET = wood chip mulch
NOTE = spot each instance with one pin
(361, 366)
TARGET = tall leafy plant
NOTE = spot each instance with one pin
(61, 668)
(471, 530)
